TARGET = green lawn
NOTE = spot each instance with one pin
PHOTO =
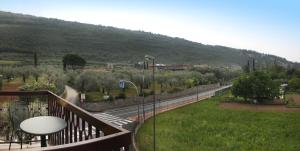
(205, 127)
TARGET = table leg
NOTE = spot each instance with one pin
(43, 141)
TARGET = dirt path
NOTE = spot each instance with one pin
(294, 99)
(11, 86)
(71, 95)
(256, 107)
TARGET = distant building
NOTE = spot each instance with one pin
(172, 67)
(110, 66)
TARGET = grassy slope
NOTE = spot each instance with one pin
(52, 38)
(202, 126)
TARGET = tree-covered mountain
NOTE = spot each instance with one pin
(20, 35)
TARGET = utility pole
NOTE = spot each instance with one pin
(197, 91)
(147, 57)
(143, 85)
(154, 105)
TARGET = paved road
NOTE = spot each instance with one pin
(119, 116)
(130, 111)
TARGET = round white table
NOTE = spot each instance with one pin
(42, 126)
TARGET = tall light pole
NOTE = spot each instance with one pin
(197, 91)
(1, 81)
(148, 57)
(122, 85)
(144, 67)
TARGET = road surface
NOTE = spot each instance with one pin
(119, 116)
(130, 111)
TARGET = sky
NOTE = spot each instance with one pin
(267, 26)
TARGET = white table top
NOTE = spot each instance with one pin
(43, 125)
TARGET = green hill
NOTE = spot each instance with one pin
(20, 35)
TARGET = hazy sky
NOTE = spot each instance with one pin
(268, 26)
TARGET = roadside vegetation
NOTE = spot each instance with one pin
(101, 85)
(260, 85)
(205, 126)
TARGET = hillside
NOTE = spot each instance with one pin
(20, 35)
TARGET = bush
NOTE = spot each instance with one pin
(174, 90)
(294, 84)
(121, 96)
(255, 86)
(42, 85)
(148, 92)
(94, 96)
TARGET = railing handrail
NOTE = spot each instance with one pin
(111, 132)
(65, 103)
(86, 115)
(86, 142)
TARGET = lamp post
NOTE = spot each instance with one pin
(1, 81)
(143, 85)
(151, 58)
(122, 85)
(197, 91)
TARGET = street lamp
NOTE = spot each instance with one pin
(197, 91)
(1, 81)
(122, 85)
(151, 58)
(143, 85)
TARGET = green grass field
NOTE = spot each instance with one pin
(205, 127)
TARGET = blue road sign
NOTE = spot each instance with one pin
(122, 84)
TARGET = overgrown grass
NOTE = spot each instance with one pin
(293, 100)
(205, 127)
(94, 96)
(8, 62)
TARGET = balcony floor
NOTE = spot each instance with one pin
(14, 147)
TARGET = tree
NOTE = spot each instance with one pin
(138, 80)
(8, 73)
(24, 72)
(242, 87)
(1, 82)
(108, 82)
(294, 84)
(247, 67)
(253, 65)
(35, 59)
(86, 81)
(255, 86)
(36, 73)
(74, 61)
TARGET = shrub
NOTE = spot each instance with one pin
(294, 84)
(255, 86)
(42, 85)
(121, 95)
(174, 90)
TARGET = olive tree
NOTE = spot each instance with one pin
(86, 81)
(108, 82)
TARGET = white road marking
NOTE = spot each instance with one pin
(112, 119)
